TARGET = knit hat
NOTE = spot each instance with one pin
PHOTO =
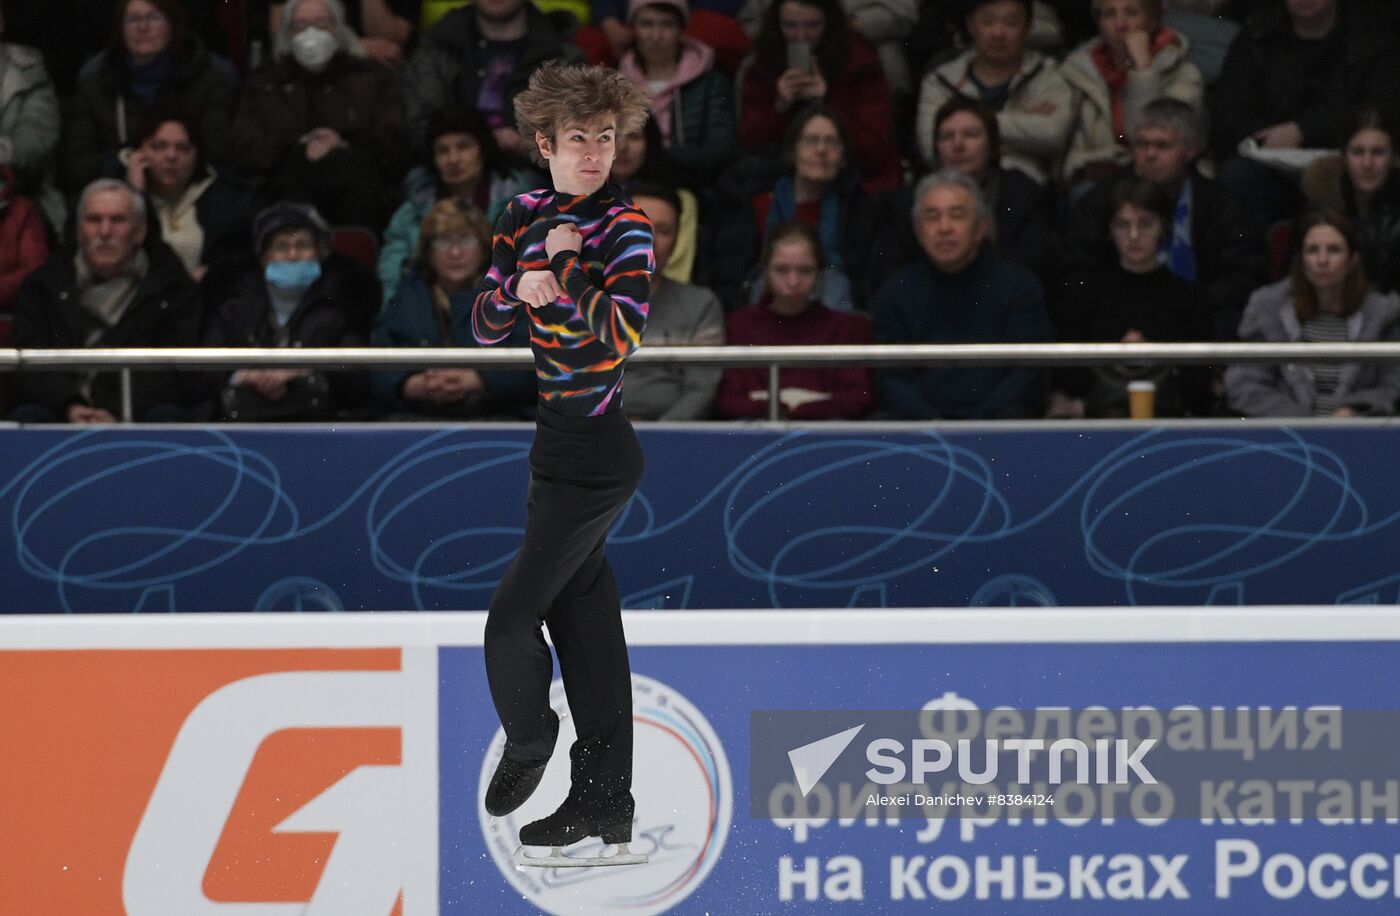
(288, 215)
(680, 6)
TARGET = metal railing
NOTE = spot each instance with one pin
(875, 356)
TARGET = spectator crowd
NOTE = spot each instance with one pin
(319, 173)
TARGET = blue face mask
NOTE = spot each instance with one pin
(292, 275)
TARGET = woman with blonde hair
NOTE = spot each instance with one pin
(432, 308)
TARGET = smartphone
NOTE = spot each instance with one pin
(799, 56)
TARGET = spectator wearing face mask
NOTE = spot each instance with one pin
(299, 295)
(321, 123)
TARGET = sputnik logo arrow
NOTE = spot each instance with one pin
(811, 761)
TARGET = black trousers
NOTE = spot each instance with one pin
(583, 470)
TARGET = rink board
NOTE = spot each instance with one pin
(289, 764)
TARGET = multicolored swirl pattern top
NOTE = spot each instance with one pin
(582, 339)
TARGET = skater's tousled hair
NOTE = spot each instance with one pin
(564, 95)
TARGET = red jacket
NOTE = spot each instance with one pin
(860, 94)
(24, 240)
(756, 324)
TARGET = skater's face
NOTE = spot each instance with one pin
(949, 227)
(1370, 159)
(1327, 258)
(664, 225)
(580, 156)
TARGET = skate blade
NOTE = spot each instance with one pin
(557, 859)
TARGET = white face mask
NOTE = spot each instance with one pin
(313, 48)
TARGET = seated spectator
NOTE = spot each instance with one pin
(1363, 184)
(1134, 60)
(113, 291)
(24, 239)
(885, 24)
(967, 138)
(939, 31)
(789, 314)
(29, 122)
(821, 193)
(712, 22)
(463, 164)
(202, 216)
(385, 27)
(807, 54)
(1033, 104)
(480, 57)
(317, 123)
(432, 308)
(691, 101)
(1289, 79)
(963, 291)
(300, 295)
(1212, 241)
(1137, 300)
(680, 315)
(151, 58)
(1327, 299)
(641, 157)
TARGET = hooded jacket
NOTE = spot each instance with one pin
(695, 110)
(1093, 137)
(1032, 139)
(1290, 390)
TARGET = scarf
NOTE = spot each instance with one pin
(106, 301)
(1181, 254)
(784, 210)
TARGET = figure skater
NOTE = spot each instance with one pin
(576, 262)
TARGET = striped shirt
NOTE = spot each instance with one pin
(582, 339)
(1325, 329)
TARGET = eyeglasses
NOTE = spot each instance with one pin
(152, 18)
(448, 242)
(324, 24)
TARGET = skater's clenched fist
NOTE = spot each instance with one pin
(563, 237)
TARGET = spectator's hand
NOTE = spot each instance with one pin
(384, 52)
(320, 142)
(1281, 136)
(563, 237)
(1064, 407)
(199, 272)
(1134, 336)
(82, 413)
(456, 384)
(1343, 411)
(815, 89)
(1138, 45)
(270, 383)
(618, 34)
(136, 164)
(509, 140)
(538, 288)
(792, 86)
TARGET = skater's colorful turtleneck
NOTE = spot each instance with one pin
(582, 339)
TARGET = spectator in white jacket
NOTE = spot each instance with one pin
(1134, 60)
(1033, 103)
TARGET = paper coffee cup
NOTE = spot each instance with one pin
(1141, 399)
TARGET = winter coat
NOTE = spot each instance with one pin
(24, 240)
(409, 320)
(1093, 138)
(164, 312)
(698, 114)
(1032, 139)
(29, 125)
(1266, 79)
(1231, 260)
(106, 111)
(355, 97)
(1327, 184)
(1290, 390)
(859, 94)
(448, 66)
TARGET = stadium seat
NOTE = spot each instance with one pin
(357, 242)
(1279, 240)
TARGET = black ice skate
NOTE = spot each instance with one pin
(569, 825)
(515, 780)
